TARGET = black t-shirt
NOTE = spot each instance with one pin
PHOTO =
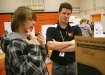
(54, 33)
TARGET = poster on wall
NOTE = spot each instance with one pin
(44, 29)
(90, 55)
(74, 20)
(98, 29)
(7, 27)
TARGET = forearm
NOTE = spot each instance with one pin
(70, 48)
(57, 45)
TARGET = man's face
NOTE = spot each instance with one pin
(64, 15)
(29, 24)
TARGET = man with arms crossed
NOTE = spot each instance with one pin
(61, 41)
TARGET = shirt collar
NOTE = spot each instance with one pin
(58, 26)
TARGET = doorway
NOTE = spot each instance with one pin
(96, 17)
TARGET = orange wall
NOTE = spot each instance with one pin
(42, 19)
(2, 64)
(4, 18)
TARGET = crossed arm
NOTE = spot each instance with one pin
(66, 46)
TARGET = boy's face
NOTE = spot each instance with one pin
(29, 24)
(64, 15)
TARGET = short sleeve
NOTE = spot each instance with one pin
(77, 30)
(50, 34)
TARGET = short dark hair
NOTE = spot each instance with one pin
(20, 16)
(65, 5)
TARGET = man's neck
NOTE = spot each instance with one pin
(63, 25)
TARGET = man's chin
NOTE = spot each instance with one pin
(65, 21)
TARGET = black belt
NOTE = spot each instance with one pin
(64, 64)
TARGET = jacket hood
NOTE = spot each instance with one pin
(84, 25)
(8, 37)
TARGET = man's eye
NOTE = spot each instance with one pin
(64, 13)
(69, 13)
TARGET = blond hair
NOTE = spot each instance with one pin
(83, 20)
(20, 16)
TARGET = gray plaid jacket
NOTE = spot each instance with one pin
(21, 58)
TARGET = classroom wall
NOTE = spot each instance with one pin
(90, 7)
(53, 5)
(50, 5)
(9, 6)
